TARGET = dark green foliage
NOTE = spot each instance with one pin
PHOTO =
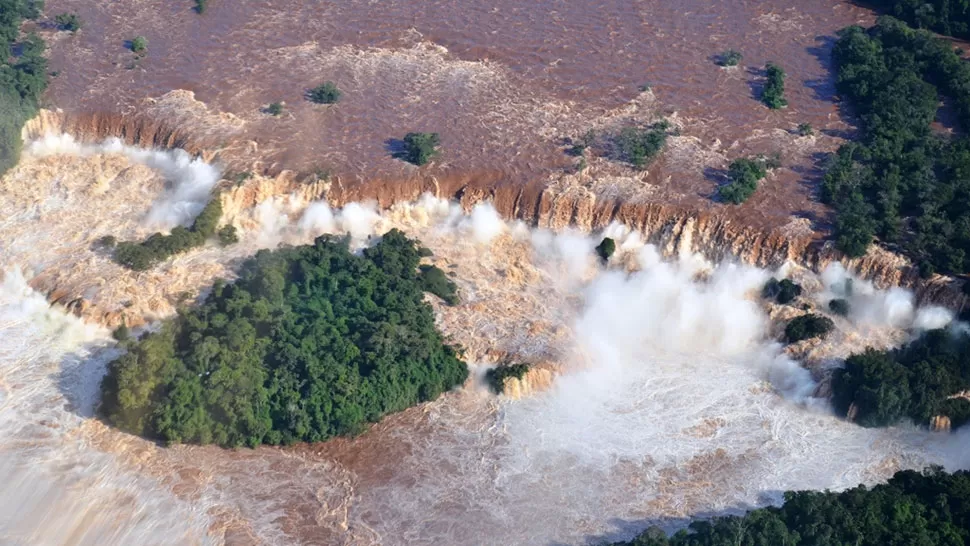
(784, 292)
(902, 182)
(950, 17)
(138, 44)
(157, 248)
(929, 508)
(641, 145)
(200, 6)
(605, 249)
(773, 94)
(121, 333)
(227, 235)
(435, 281)
(805, 129)
(807, 327)
(496, 376)
(839, 307)
(22, 78)
(745, 174)
(326, 93)
(274, 109)
(108, 241)
(311, 342)
(912, 382)
(68, 21)
(419, 148)
(730, 57)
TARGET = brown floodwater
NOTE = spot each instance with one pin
(656, 436)
(504, 83)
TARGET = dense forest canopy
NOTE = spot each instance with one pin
(916, 382)
(23, 77)
(902, 182)
(950, 17)
(931, 508)
(309, 343)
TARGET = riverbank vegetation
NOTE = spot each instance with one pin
(309, 343)
(917, 382)
(950, 17)
(23, 76)
(902, 182)
(495, 377)
(157, 248)
(918, 508)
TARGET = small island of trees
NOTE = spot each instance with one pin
(309, 343)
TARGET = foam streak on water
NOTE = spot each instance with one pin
(54, 489)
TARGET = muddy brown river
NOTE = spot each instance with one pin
(672, 401)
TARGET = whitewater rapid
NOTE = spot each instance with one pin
(671, 400)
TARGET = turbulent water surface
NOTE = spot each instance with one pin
(670, 399)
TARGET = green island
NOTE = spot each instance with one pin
(929, 508)
(23, 77)
(309, 343)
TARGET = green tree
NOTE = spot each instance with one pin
(138, 44)
(419, 148)
(773, 94)
(326, 93)
(605, 249)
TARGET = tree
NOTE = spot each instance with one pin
(773, 94)
(807, 327)
(201, 5)
(275, 109)
(68, 21)
(138, 44)
(744, 174)
(605, 249)
(641, 145)
(419, 148)
(839, 307)
(326, 93)
(730, 57)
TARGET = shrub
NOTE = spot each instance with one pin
(805, 129)
(145, 255)
(419, 148)
(774, 92)
(138, 44)
(496, 376)
(275, 109)
(326, 93)
(68, 21)
(730, 57)
(641, 145)
(434, 281)
(784, 292)
(839, 307)
(108, 241)
(605, 249)
(121, 333)
(309, 343)
(807, 327)
(744, 174)
(200, 6)
(227, 235)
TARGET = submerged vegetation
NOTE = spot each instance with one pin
(917, 382)
(807, 327)
(496, 376)
(641, 145)
(902, 182)
(915, 508)
(23, 77)
(773, 94)
(419, 148)
(157, 248)
(730, 57)
(311, 342)
(326, 93)
(745, 173)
